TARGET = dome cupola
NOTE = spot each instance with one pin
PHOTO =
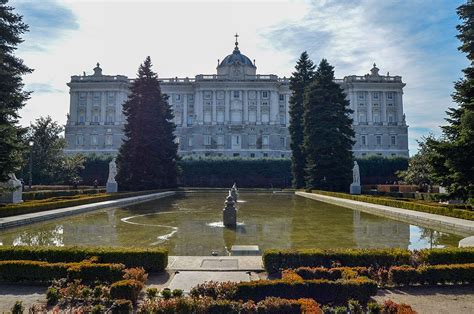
(236, 64)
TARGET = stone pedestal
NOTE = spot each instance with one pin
(230, 213)
(355, 189)
(13, 191)
(112, 187)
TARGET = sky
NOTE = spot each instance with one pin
(411, 38)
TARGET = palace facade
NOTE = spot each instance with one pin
(234, 113)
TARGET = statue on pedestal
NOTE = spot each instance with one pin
(13, 190)
(112, 186)
(234, 192)
(230, 212)
(355, 186)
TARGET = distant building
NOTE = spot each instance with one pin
(234, 113)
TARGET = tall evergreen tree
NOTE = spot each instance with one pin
(12, 96)
(300, 79)
(148, 155)
(453, 160)
(328, 133)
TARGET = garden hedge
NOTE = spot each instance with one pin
(151, 259)
(432, 274)
(126, 289)
(309, 273)
(439, 210)
(40, 195)
(42, 272)
(276, 260)
(446, 256)
(64, 201)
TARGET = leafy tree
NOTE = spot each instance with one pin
(47, 150)
(328, 133)
(304, 73)
(452, 159)
(71, 168)
(147, 158)
(420, 170)
(12, 96)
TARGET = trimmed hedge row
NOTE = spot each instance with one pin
(64, 201)
(153, 259)
(439, 210)
(126, 289)
(309, 273)
(436, 274)
(40, 195)
(446, 256)
(276, 260)
(36, 271)
(322, 290)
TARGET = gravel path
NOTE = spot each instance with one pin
(432, 300)
(9, 294)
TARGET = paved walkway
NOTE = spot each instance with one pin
(442, 223)
(215, 263)
(14, 221)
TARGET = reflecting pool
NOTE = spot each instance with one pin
(191, 224)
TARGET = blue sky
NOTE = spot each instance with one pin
(411, 38)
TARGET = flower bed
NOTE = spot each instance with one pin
(439, 210)
(153, 259)
(276, 260)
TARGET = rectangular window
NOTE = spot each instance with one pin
(236, 94)
(363, 140)
(177, 97)
(361, 95)
(264, 94)
(109, 139)
(282, 97)
(220, 116)
(265, 140)
(361, 104)
(190, 141)
(220, 140)
(252, 140)
(376, 95)
(378, 139)
(110, 97)
(79, 139)
(282, 119)
(393, 140)
(252, 155)
(389, 95)
(207, 140)
(207, 94)
(252, 116)
(265, 117)
(94, 139)
(282, 142)
(190, 120)
(190, 97)
(207, 116)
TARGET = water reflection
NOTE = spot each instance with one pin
(191, 225)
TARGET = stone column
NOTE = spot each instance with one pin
(119, 100)
(369, 109)
(88, 108)
(273, 107)
(199, 107)
(245, 118)
(73, 119)
(259, 108)
(214, 107)
(185, 112)
(399, 106)
(287, 109)
(383, 105)
(227, 107)
(354, 105)
(103, 105)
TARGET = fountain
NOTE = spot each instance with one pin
(230, 212)
(234, 192)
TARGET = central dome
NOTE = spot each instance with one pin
(236, 57)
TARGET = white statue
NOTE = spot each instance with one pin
(112, 171)
(112, 185)
(13, 193)
(355, 173)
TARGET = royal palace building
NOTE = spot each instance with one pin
(234, 113)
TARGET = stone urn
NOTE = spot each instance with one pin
(230, 212)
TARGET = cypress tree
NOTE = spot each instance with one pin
(12, 96)
(148, 155)
(328, 133)
(300, 79)
(452, 160)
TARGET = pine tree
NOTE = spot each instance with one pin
(298, 82)
(148, 155)
(453, 160)
(328, 133)
(12, 96)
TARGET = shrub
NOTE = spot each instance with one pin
(151, 259)
(276, 260)
(151, 293)
(390, 307)
(439, 210)
(52, 296)
(98, 309)
(18, 308)
(177, 293)
(355, 307)
(40, 195)
(126, 289)
(35, 271)
(432, 274)
(446, 256)
(166, 293)
(121, 307)
(307, 273)
(136, 273)
(374, 308)
(215, 290)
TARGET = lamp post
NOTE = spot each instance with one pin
(30, 181)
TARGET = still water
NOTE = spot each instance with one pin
(191, 224)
